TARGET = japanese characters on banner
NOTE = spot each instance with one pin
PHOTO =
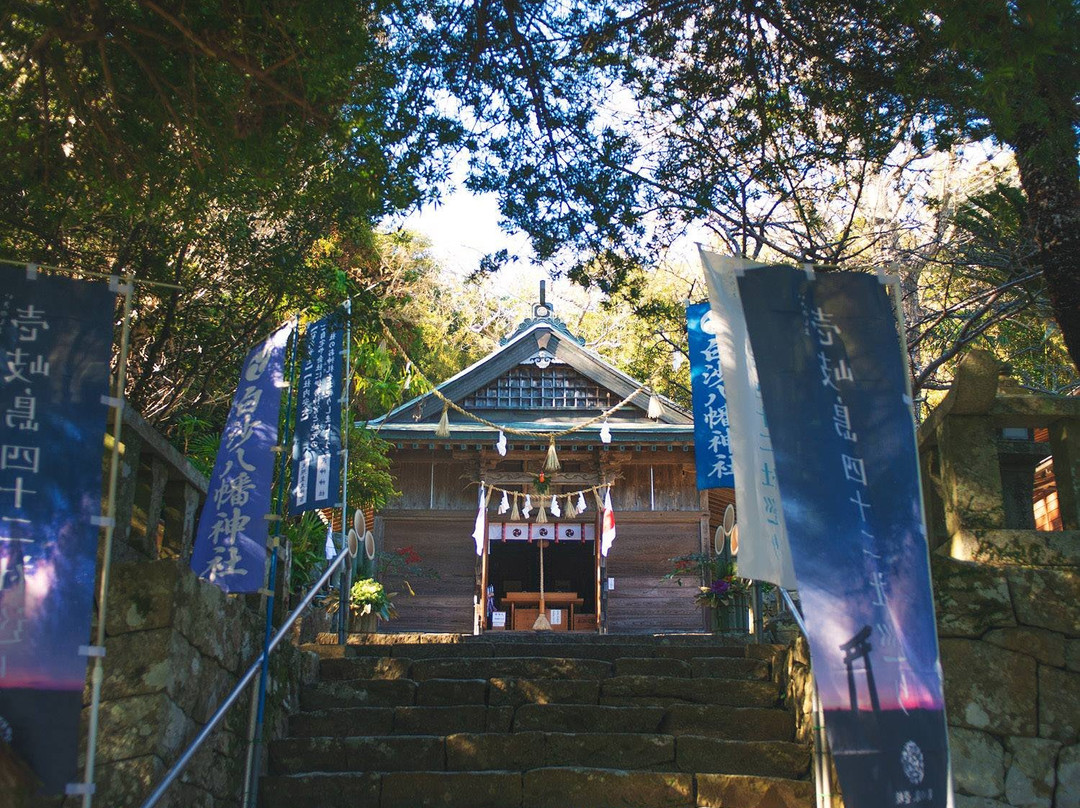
(56, 342)
(764, 554)
(317, 441)
(230, 544)
(832, 382)
(712, 452)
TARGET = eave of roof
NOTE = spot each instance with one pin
(424, 401)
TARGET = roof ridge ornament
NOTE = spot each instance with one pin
(543, 313)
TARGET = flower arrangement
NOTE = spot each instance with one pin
(721, 583)
(368, 596)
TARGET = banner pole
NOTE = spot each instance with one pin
(98, 674)
(259, 703)
(344, 598)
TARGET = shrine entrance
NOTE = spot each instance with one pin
(512, 562)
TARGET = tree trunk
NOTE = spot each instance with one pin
(1050, 177)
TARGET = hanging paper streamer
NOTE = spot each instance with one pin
(656, 408)
(607, 537)
(316, 459)
(481, 518)
(504, 504)
(833, 384)
(527, 509)
(712, 453)
(56, 340)
(330, 550)
(230, 544)
(605, 433)
(500, 444)
(556, 511)
(582, 506)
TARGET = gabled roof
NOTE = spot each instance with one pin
(416, 419)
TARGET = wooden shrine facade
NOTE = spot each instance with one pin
(541, 380)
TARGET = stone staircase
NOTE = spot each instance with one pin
(541, 721)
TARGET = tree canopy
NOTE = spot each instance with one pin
(607, 127)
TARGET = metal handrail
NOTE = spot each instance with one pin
(185, 758)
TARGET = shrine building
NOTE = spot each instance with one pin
(543, 379)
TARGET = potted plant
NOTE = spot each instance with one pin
(369, 602)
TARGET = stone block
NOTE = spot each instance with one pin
(142, 725)
(510, 667)
(970, 599)
(1072, 655)
(343, 723)
(126, 782)
(364, 668)
(759, 758)
(439, 720)
(978, 762)
(475, 789)
(586, 718)
(359, 693)
(139, 662)
(651, 667)
(730, 723)
(1029, 782)
(601, 788)
(735, 692)
(963, 801)
(324, 790)
(727, 668)
(628, 750)
(1059, 705)
(1067, 792)
(989, 688)
(449, 692)
(141, 596)
(515, 692)
(1046, 646)
(740, 791)
(489, 751)
(1047, 598)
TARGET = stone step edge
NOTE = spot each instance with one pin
(583, 769)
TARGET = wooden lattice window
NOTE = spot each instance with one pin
(532, 388)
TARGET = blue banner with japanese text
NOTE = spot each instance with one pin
(831, 372)
(316, 459)
(712, 448)
(56, 343)
(230, 544)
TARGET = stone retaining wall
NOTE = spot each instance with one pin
(1010, 649)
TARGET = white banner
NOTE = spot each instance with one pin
(764, 554)
(526, 531)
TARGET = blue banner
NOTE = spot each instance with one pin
(712, 448)
(230, 545)
(316, 469)
(832, 381)
(56, 343)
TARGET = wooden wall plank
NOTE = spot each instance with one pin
(443, 603)
(641, 601)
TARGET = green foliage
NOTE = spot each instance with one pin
(307, 538)
(716, 580)
(367, 596)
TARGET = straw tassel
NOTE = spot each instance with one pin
(514, 515)
(552, 462)
(571, 511)
(443, 429)
(541, 515)
(599, 500)
(656, 409)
